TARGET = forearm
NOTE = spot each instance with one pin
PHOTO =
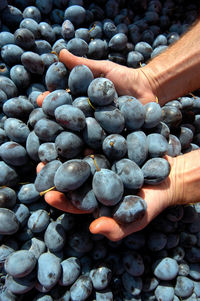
(176, 72)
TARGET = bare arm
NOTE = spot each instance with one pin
(176, 72)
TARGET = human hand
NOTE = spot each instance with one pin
(127, 81)
(157, 199)
(181, 187)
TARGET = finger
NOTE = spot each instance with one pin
(97, 67)
(156, 199)
(58, 200)
(41, 98)
(40, 166)
(108, 227)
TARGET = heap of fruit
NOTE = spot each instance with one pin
(47, 254)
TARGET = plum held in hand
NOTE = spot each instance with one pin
(114, 147)
(78, 47)
(32, 62)
(129, 172)
(110, 118)
(55, 99)
(71, 269)
(49, 270)
(45, 178)
(101, 92)
(47, 130)
(79, 79)
(83, 198)
(131, 209)
(16, 130)
(71, 175)
(9, 222)
(155, 170)
(13, 153)
(134, 114)
(108, 187)
(7, 197)
(81, 289)
(56, 77)
(68, 145)
(93, 133)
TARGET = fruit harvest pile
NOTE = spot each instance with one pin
(98, 149)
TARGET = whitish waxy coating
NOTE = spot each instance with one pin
(9, 222)
(184, 287)
(131, 209)
(55, 237)
(155, 170)
(79, 79)
(107, 187)
(45, 178)
(166, 269)
(71, 269)
(20, 263)
(100, 277)
(49, 270)
(81, 289)
(70, 117)
(129, 172)
(71, 175)
(101, 92)
(20, 285)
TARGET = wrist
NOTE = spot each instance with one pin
(155, 78)
(143, 91)
(185, 178)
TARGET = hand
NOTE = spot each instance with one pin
(181, 187)
(127, 81)
(157, 199)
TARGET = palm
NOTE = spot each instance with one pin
(127, 81)
(157, 198)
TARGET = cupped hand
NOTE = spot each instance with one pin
(157, 198)
(181, 187)
(127, 81)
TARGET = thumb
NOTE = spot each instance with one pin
(108, 227)
(41, 98)
(97, 67)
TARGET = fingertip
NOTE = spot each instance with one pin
(40, 166)
(67, 58)
(70, 60)
(41, 98)
(106, 226)
(52, 195)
